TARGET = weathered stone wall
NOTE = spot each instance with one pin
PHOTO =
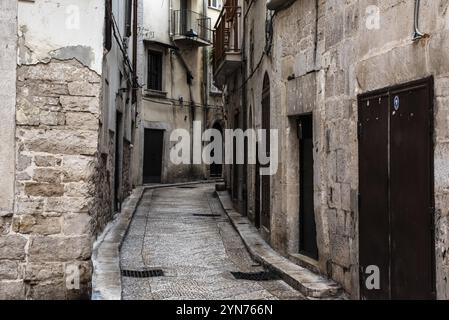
(353, 58)
(57, 159)
(103, 191)
(126, 173)
(326, 53)
(58, 107)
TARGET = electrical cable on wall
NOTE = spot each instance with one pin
(185, 104)
(119, 39)
(266, 51)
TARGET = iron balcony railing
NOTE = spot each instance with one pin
(192, 25)
(226, 34)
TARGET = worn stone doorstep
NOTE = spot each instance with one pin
(308, 283)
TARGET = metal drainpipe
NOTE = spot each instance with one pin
(170, 31)
(417, 34)
(189, 76)
(245, 117)
(135, 31)
(205, 85)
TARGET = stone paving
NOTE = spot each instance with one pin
(185, 232)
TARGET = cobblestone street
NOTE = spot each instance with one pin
(185, 232)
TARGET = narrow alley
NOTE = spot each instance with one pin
(184, 232)
(224, 150)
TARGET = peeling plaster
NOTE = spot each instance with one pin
(47, 30)
(83, 54)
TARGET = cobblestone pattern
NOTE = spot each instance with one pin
(197, 253)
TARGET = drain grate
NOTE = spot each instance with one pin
(187, 187)
(256, 276)
(206, 215)
(143, 273)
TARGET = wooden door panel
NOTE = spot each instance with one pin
(373, 201)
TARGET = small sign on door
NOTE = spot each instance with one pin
(396, 103)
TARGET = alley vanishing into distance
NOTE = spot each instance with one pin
(184, 232)
(317, 132)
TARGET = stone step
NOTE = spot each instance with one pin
(307, 282)
(220, 187)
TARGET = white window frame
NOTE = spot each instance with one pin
(217, 6)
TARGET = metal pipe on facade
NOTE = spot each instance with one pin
(135, 30)
(205, 85)
(417, 34)
(170, 32)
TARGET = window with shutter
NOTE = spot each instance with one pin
(155, 70)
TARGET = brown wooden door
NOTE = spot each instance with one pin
(411, 192)
(153, 148)
(266, 125)
(396, 191)
(118, 161)
(374, 218)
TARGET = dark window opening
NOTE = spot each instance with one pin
(155, 70)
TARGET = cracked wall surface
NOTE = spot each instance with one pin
(52, 228)
(66, 35)
(347, 60)
(353, 59)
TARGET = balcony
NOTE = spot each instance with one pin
(191, 28)
(227, 56)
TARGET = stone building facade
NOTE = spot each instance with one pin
(313, 62)
(174, 65)
(69, 126)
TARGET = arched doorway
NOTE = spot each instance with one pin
(216, 169)
(266, 125)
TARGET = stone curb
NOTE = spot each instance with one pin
(308, 283)
(106, 277)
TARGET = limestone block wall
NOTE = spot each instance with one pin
(324, 54)
(350, 58)
(58, 108)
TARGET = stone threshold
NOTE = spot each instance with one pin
(106, 277)
(310, 284)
